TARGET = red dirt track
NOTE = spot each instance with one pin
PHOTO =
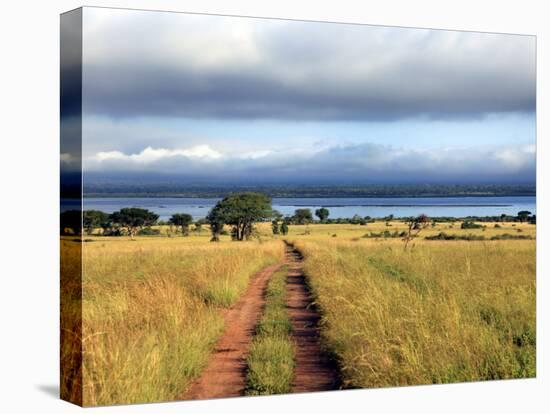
(225, 375)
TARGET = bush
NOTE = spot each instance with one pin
(507, 236)
(470, 225)
(385, 234)
(474, 237)
(445, 236)
(148, 231)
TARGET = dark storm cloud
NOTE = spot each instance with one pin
(71, 64)
(141, 64)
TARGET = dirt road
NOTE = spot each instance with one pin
(225, 375)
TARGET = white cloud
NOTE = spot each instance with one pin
(150, 155)
(110, 155)
(253, 155)
(516, 158)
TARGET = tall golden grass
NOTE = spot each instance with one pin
(70, 387)
(148, 311)
(323, 232)
(151, 312)
(440, 312)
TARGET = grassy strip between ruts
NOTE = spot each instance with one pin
(271, 357)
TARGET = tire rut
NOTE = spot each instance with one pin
(314, 370)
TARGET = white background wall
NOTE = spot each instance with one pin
(29, 131)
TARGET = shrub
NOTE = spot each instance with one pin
(508, 236)
(385, 234)
(284, 228)
(445, 236)
(148, 231)
(474, 237)
(470, 225)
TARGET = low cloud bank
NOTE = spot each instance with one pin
(336, 164)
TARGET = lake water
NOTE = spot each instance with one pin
(339, 207)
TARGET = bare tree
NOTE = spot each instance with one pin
(414, 226)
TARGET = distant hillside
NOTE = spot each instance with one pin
(112, 189)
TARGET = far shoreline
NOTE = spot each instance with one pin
(180, 195)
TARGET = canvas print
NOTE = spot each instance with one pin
(255, 206)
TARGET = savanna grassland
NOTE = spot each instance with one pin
(151, 311)
(439, 311)
(70, 386)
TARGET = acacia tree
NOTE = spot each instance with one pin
(356, 219)
(93, 219)
(134, 219)
(523, 215)
(414, 226)
(303, 216)
(322, 213)
(182, 220)
(239, 210)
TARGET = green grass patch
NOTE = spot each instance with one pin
(271, 357)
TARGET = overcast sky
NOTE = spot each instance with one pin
(215, 98)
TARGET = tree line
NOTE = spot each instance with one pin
(140, 189)
(239, 211)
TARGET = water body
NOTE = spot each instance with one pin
(339, 207)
